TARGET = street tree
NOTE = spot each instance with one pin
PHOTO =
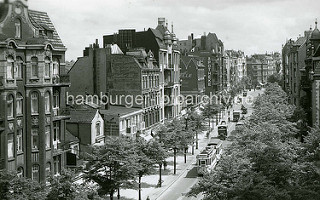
(112, 165)
(209, 111)
(14, 187)
(196, 123)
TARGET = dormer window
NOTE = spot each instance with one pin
(18, 29)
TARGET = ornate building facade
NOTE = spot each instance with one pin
(32, 82)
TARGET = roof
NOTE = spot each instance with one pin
(41, 21)
(115, 49)
(300, 41)
(70, 138)
(82, 116)
(119, 110)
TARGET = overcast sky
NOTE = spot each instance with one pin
(254, 26)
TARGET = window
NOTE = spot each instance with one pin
(56, 164)
(55, 66)
(47, 102)
(20, 173)
(34, 67)
(19, 140)
(20, 67)
(10, 146)
(98, 126)
(47, 67)
(19, 104)
(18, 28)
(56, 98)
(34, 103)
(48, 169)
(35, 139)
(48, 137)
(35, 172)
(10, 106)
(56, 131)
(10, 67)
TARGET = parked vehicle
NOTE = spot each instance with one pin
(209, 156)
(236, 116)
(222, 131)
(239, 125)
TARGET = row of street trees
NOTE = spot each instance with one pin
(266, 159)
(120, 163)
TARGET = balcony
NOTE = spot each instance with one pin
(61, 113)
(61, 80)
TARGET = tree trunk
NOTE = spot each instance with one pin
(111, 195)
(160, 179)
(193, 147)
(197, 140)
(185, 154)
(174, 160)
(139, 187)
(118, 193)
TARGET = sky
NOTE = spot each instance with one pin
(253, 26)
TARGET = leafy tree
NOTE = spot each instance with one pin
(196, 123)
(113, 165)
(144, 159)
(13, 187)
(209, 111)
(157, 154)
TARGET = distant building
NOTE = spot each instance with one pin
(211, 49)
(163, 44)
(236, 67)
(32, 87)
(192, 78)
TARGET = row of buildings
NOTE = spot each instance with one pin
(52, 110)
(301, 73)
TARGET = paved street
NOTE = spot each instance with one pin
(176, 186)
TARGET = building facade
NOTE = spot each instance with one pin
(192, 79)
(163, 44)
(32, 85)
(211, 49)
(236, 66)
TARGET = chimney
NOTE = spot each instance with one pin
(97, 43)
(161, 21)
(191, 36)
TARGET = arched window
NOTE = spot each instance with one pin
(34, 67)
(34, 138)
(20, 172)
(48, 137)
(10, 106)
(19, 104)
(10, 67)
(34, 103)
(98, 129)
(20, 140)
(55, 66)
(47, 102)
(35, 172)
(10, 145)
(18, 28)
(47, 63)
(56, 99)
(20, 67)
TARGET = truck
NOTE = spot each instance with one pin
(236, 116)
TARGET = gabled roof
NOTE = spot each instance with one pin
(82, 116)
(41, 21)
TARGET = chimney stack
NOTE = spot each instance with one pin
(161, 21)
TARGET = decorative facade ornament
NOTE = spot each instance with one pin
(34, 120)
(11, 127)
(19, 123)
